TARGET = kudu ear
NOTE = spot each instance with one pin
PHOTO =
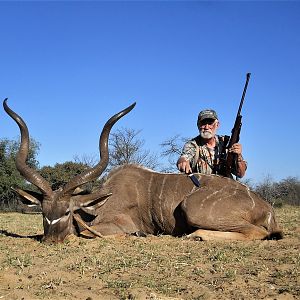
(99, 200)
(29, 198)
(90, 202)
(86, 205)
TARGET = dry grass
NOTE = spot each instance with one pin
(147, 268)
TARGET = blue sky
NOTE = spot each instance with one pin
(66, 67)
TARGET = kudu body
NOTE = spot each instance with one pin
(149, 202)
(137, 200)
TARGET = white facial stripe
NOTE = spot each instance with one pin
(89, 207)
(55, 221)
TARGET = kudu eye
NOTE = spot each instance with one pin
(67, 212)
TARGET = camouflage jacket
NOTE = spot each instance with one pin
(203, 159)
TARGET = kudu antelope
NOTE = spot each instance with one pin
(135, 200)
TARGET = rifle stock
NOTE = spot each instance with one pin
(229, 164)
(235, 137)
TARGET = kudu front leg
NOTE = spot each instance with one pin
(120, 225)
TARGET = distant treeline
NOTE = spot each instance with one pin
(125, 148)
(286, 191)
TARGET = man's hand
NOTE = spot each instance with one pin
(183, 165)
(236, 148)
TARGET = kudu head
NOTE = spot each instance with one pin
(65, 211)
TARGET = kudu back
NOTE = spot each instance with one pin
(136, 200)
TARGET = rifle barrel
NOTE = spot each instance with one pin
(244, 93)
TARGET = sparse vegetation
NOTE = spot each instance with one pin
(286, 191)
(160, 267)
(126, 147)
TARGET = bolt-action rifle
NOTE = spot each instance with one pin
(228, 160)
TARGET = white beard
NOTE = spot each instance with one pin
(205, 134)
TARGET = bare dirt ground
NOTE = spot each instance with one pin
(147, 268)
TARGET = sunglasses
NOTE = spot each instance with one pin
(207, 122)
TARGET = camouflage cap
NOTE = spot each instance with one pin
(207, 114)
